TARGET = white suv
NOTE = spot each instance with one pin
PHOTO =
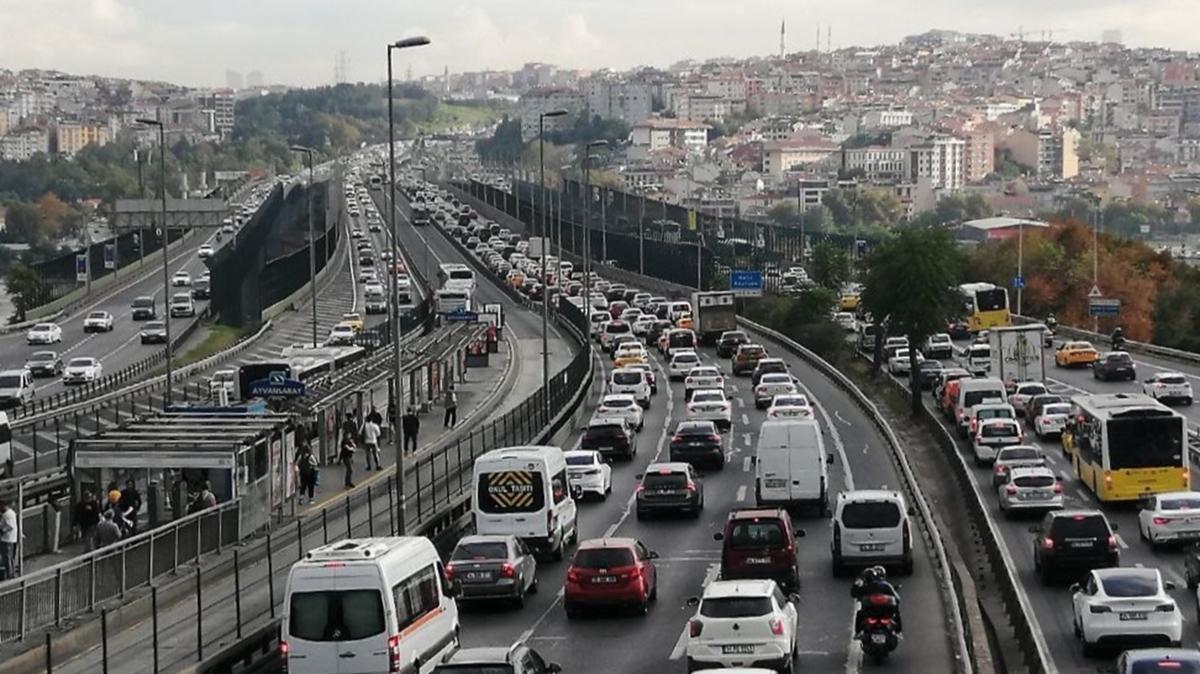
(871, 526)
(742, 623)
(631, 381)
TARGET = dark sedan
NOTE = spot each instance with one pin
(930, 370)
(697, 442)
(610, 437)
(729, 342)
(493, 567)
(1114, 365)
(669, 487)
(44, 364)
(154, 332)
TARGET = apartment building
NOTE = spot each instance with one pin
(71, 137)
(781, 156)
(886, 119)
(979, 153)
(539, 101)
(217, 110)
(22, 144)
(1051, 153)
(940, 160)
(878, 163)
(662, 133)
(626, 101)
(700, 107)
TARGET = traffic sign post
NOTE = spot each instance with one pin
(276, 385)
(1102, 306)
(745, 283)
(462, 315)
(110, 256)
(1018, 282)
(81, 267)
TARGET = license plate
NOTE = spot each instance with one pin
(1133, 615)
(664, 492)
(758, 560)
(737, 649)
(775, 484)
(1082, 544)
(871, 547)
(604, 579)
(478, 576)
(879, 638)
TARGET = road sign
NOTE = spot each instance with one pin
(461, 314)
(81, 267)
(745, 283)
(1095, 292)
(110, 256)
(1018, 281)
(1103, 306)
(277, 385)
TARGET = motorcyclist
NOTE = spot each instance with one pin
(1118, 337)
(1051, 322)
(873, 580)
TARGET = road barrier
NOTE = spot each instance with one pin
(1129, 345)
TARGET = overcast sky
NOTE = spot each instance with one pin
(295, 41)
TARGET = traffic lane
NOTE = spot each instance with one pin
(1081, 380)
(865, 455)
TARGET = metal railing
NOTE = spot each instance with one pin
(48, 597)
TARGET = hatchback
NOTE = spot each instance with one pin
(746, 358)
(1030, 488)
(729, 341)
(611, 437)
(742, 623)
(611, 572)
(1013, 457)
(767, 366)
(759, 543)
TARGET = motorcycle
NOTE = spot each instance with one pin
(1118, 343)
(879, 635)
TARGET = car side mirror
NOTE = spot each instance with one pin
(692, 602)
(455, 590)
(553, 668)
(718, 536)
(1058, 478)
(1075, 588)
(576, 492)
(638, 476)
(1114, 526)
(912, 512)
(794, 598)
(652, 555)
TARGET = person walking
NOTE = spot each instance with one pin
(131, 504)
(371, 441)
(375, 416)
(108, 531)
(8, 541)
(306, 462)
(346, 456)
(87, 516)
(411, 426)
(451, 403)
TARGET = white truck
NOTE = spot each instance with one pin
(715, 313)
(1017, 353)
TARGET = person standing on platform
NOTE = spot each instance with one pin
(411, 427)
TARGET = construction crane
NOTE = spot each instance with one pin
(1046, 33)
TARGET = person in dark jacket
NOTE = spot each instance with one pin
(131, 504)
(411, 425)
(87, 516)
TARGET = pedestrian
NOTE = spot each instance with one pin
(114, 505)
(346, 456)
(206, 498)
(451, 403)
(371, 441)
(306, 462)
(411, 426)
(8, 541)
(349, 428)
(108, 531)
(131, 504)
(376, 417)
(87, 516)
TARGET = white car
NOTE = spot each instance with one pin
(82, 370)
(1015, 456)
(993, 434)
(98, 321)
(223, 380)
(900, 363)
(1024, 392)
(711, 405)
(588, 471)
(44, 333)
(181, 279)
(1123, 604)
(631, 381)
(597, 319)
(1030, 488)
(631, 352)
(367, 276)
(1168, 387)
(206, 250)
(643, 324)
(681, 364)
(738, 622)
(1051, 420)
(846, 320)
(705, 376)
(621, 406)
(342, 335)
(771, 385)
(182, 305)
(939, 345)
(1171, 517)
(790, 406)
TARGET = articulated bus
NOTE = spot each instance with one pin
(986, 306)
(1125, 446)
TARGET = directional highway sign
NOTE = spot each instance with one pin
(746, 283)
(1018, 281)
(1101, 306)
(462, 315)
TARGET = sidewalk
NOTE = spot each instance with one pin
(472, 393)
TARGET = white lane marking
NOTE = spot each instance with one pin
(741, 403)
(839, 417)
(733, 388)
(746, 465)
(681, 643)
(745, 419)
(1121, 541)
(848, 474)
(741, 493)
(746, 438)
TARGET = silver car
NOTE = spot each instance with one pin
(1030, 488)
(1016, 456)
(493, 567)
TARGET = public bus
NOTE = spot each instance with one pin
(455, 272)
(985, 306)
(453, 298)
(1125, 446)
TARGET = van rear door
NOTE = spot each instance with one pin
(511, 502)
(807, 462)
(336, 620)
(773, 466)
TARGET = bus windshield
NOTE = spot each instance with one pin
(991, 300)
(1145, 443)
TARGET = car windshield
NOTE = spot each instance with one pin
(704, 372)
(994, 413)
(1182, 503)
(581, 460)
(627, 378)
(617, 328)
(1173, 665)
(1057, 408)
(973, 398)
(39, 356)
(998, 430)
(776, 379)
(603, 558)
(1031, 389)
(733, 336)
(42, 328)
(618, 402)
(604, 431)
(1080, 526)
(82, 362)
(1033, 481)
(668, 480)
(705, 428)
(10, 381)
(97, 314)
(708, 397)
(480, 550)
(756, 534)
(870, 515)
(1019, 454)
(336, 615)
(1119, 359)
(735, 607)
(799, 401)
(751, 351)
(155, 325)
(685, 359)
(1130, 585)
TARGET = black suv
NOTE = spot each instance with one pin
(672, 487)
(1074, 541)
(697, 441)
(516, 659)
(610, 437)
(729, 342)
(1114, 365)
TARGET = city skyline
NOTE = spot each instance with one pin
(196, 45)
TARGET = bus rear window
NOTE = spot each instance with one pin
(991, 300)
(1145, 443)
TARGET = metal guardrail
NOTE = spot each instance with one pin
(1130, 345)
(48, 597)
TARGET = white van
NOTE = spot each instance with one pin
(978, 359)
(790, 464)
(871, 526)
(382, 604)
(973, 392)
(524, 491)
(631, 381)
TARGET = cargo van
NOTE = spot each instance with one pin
(790, 464)
(524, 491)
(382, 604)
(978, 359)
(973, 392)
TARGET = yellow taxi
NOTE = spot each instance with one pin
(849, 302)
(685, 322)
(1071, 354)
(629, 354)
(354, 320)
(516, 278)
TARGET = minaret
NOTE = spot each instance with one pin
(829, 38)
(781, 36)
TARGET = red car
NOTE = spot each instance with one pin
(615, 309)
(611, 572)
(760, 543)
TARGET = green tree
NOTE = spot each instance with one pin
(783, 213)
(24, 224)
(910, 287)
(817, 220)
(505, 144)
(830, 266)
(26, 289)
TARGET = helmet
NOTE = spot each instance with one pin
(879, 572)
(870, 574)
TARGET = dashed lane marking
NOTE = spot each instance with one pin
(741, 493)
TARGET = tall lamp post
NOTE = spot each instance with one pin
(545, 251)
(162, 169)
(587, 219)
(398, 403)
(312, 238)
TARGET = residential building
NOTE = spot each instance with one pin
(71, 137)
(22, 144)
(781, 156)
(1051, 153)
(217, 111)
(979, 153)
(628, 102)
(660, 133)
(878, 163)
(940, 159)
(536, 102)
(886, 119)
(701, 107)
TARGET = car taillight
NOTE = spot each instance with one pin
(1160, 521)
(677, 438)
(507, 570)
(872, 622)
(573, 576)
(1000, 470)
(1011, 490)
(907, 528)
(1165, 608)
(450, 573)
(394, 653)
(885, 621)
(715, 437)
(1097, 608)
(776, 626)
(640, 488)
(691, 487)
(837, 535)
(1045, 421)
(283, 656)
(1058, 488)
(1112, 542)
(1047, 543)
(974, 424)
(695, 627)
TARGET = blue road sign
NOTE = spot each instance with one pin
(81, 267)
(277, 385)
(1101, 306)
(746, 283)
(462, 315)
(110, 256)
(1018, 281)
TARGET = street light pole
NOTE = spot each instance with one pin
(312, 238)
(393, 303)
(1020, 263)
(545, 252)
(162, 165)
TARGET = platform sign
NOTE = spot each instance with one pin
(81, 268)
(110, 256)
(462, 315)
(277, 385)
(1104, 306)
(745, 283)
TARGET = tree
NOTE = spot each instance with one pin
(962, 207)
(783, 213)
(24, 224)
(830, 266)
(910, 286)
(817, 220)
(26, 289)
(54, 214)
(837, 200)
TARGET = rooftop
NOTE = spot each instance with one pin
(1002, 223)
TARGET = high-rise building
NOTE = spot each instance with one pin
(979, 153)
(940, 159)
(216, 109)
(629, 102)
(1051, 152)
(538, 101)
(233, 80)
